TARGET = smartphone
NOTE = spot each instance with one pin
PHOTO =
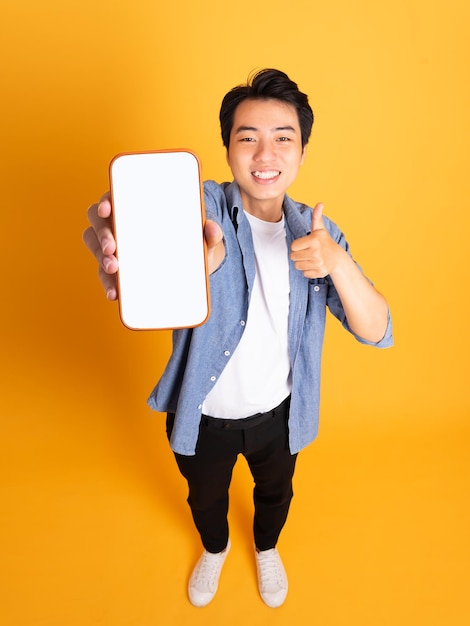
(158, 213)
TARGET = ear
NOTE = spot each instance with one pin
(304, 155)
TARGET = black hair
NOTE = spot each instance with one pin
(267, 84)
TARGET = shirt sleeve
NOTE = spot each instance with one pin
(214, 200)
(333, 300)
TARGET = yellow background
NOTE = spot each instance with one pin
(94, 524)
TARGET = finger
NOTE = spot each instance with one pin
(109, 263)
(212, 233)
(91, 241)
(99, 216)
(104, 205)
(108, 266)
(109, 283)
(214, 236)
(317, 217)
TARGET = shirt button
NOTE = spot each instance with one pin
(227, 353)
(213, 378)
(199, 406)
(242, 323)
(316, 288)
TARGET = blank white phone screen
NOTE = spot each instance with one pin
(159, 220)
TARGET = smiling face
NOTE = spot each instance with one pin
(265, 154)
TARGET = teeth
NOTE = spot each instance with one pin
(266, 175)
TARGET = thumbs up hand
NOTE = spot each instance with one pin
(316, 254)
(317, 217)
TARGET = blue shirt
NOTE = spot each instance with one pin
(200, 354)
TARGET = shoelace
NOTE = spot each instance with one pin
(208, 570)
(270, 572)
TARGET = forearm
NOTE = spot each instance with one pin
(365, 308)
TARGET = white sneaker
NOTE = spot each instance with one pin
(272, 578)
(205, 577)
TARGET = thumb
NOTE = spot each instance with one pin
(212, 233)
(317, 217)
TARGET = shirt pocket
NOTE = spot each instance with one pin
(317, 299)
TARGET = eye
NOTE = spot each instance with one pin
(283, 139)
(246, 139)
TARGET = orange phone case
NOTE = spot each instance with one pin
(158, 214)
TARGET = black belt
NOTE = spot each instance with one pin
(245, 422)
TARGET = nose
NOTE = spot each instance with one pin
(264, 151)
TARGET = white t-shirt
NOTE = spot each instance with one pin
(257, 377)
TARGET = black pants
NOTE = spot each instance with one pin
(263, 441)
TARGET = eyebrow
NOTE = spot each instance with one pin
(242, 129)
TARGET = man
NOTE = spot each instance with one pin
(247, 381)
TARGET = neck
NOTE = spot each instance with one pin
(266, 210)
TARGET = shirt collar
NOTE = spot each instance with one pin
(294, 217)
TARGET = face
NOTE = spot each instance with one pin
(265, 154)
